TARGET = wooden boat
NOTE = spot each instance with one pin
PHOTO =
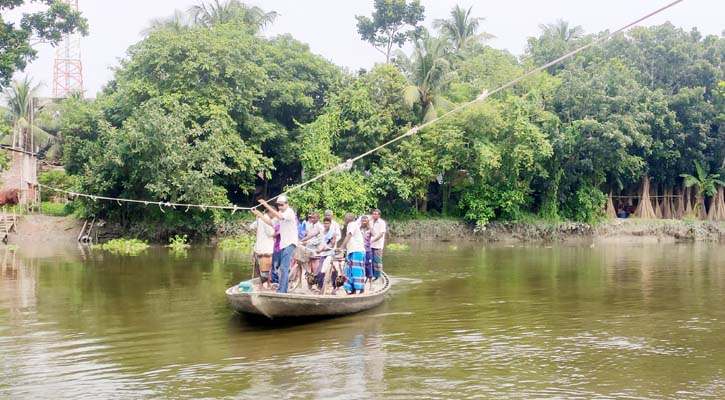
(303, 302)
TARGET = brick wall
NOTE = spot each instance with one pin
(23, 169)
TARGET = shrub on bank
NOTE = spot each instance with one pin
(54, 209)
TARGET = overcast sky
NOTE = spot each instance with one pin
(328, 26)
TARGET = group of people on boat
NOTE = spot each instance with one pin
(283, 239)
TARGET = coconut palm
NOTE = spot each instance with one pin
(461, 28)
(704, 183)
(214, 12)
(562, 30)
(176, 22)
(18, 97)
(429, 71)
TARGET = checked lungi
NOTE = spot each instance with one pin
(377, 263)
(355, 271)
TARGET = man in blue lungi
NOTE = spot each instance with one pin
(355, 247)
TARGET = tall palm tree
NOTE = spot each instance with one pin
(19, 97)
(562, 30)
(461, 28)
(428, 70)
(176, 22)
(214, 12)
(704, 183)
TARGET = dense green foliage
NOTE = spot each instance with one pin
(57, 179)
(54, 209)
(214, 114)
(48, 25)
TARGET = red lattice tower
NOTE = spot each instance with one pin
(67, 69)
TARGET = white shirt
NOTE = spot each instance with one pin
(335, 228)
(288, 229)
(314, 231)
(325, 249)
(356, 243)
(265, 237)
(378, 227)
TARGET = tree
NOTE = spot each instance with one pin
(225, 87)
(81, 123)
(562, 30)
(461, 28)
(19, 99)
(429, 71)
(176, 22)
(372, 111)
(556, 39)
(163, 153)
(211, 13)
(48, 25)
(479, 67)
(507, 149)
(387, 28)
(341, 191)
(704, 183)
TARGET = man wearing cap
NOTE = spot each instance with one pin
(287, 220)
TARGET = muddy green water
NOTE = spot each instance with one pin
(603, 322)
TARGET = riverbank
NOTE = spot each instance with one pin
(621, 230)
(43, 230)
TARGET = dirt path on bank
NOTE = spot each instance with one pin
(39, 234)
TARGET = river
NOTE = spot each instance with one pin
(472, 321)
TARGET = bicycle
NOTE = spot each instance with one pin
(300, 267)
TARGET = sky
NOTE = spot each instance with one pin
(328, 26)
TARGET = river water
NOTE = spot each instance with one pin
(563, 321)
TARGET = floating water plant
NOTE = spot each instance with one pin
(128, 247)
(397, 246)
(178, 243)
(244, 242)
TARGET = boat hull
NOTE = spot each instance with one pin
(294, 305)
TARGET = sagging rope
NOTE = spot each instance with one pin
(160, 204)
(347, 164)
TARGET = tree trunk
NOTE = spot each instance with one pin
(667, 203)
(657, 204)
(717, 208)
(644, 208)
(701, 209)
(688, 203)
(679, 211)
(423, 205)
(611, 211)
(445, 196)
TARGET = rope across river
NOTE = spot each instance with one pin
(346, 165)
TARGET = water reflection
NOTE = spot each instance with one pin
(514, 322)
